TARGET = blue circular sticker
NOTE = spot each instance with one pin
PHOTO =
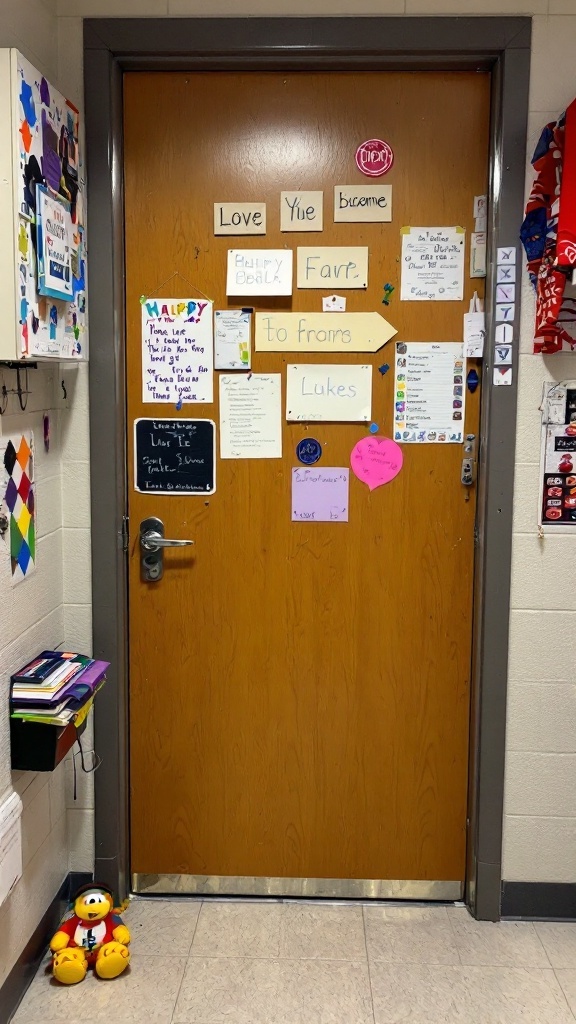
(308, 450)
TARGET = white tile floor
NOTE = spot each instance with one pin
(274, 963)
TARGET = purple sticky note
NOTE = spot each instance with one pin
(320, 495)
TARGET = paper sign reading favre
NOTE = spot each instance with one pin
(376, 460)
(259, 272)
(330, 392)
(320, 495)
(332, 266)
(322, 332)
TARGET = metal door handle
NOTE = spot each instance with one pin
(152, 544)
(153, 541)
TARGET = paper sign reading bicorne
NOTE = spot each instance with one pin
(329, 392)
(320, 495)
(177, 350)
(333, 265)
(432, 264)
(251, 416)
(362, 203)
(301, 211)
(232, 339)
(376, 460)
(259, 272)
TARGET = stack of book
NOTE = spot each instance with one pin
(58, 687)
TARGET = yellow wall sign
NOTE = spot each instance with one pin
(321, 332)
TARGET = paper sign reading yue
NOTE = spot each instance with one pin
(376, 460)
(320, 495)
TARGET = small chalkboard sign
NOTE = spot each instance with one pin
(175, 456)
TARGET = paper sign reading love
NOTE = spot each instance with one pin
(376, 460)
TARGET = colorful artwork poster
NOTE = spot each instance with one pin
(54, 244)
(17, 454)
(559, 476)
(52, 318)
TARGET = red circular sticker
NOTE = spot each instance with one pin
(374, 158)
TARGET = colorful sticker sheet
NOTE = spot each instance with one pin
(17, 454)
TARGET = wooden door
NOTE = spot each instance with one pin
(299, 693)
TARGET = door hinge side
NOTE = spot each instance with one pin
(124, 532)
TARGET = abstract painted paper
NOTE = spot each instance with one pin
(320, 495)
(17, 455)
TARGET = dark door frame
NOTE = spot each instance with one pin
(111, 46)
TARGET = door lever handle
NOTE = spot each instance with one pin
(151, 540)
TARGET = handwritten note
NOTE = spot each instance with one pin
(376, 460)
(231, 339)
(362, 203)
(330, 392)
(259, 272)
(320, 495)
(432, 264)
(239, 218)
(251, 416)
(177, 351)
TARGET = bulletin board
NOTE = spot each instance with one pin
(50, 237)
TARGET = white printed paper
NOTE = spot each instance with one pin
(334, 304)
(177, 351)
(251, 416)
(232, 339)
(502, 376)
(259, 272)
(429, 393)
(10, 844)
(478, 254)
(480, 206)
(54, 245)
(330, 392)
(432, 264)
(474, 335)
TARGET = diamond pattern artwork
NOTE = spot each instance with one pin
(17, 468)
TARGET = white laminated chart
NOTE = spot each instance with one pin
(429, 392)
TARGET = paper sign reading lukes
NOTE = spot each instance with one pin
(376, 460)
(429, 392)
(177, 350)
(321, 332)
(340, 393)
(259, 272)
(432, 264)
(251, 416)
(320, 495)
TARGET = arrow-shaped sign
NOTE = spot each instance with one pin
(321, 332)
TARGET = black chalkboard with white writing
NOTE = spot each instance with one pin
(175, 456)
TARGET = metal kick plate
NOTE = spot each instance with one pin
(307, 888)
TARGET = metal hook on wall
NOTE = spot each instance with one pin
(21, 392)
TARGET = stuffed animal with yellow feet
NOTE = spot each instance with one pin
(93, 935)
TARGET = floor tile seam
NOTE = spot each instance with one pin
(267, 959)
(173, 1011)
(195, 928)
(558, 981)
(368, 965)
(455, 938)
(535, 930)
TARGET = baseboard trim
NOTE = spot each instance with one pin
(14, 988)
(539, 901)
